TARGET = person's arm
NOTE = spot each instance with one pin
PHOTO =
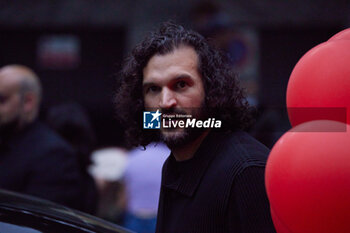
(249, 209)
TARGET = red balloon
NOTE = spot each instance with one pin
(343, 35)
(279, 226)
(319, 86)
(308, 179)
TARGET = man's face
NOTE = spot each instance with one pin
(172, 83)
(10, 101)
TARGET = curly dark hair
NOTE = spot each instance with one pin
(224, 99)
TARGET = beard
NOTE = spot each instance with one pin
(179, 137)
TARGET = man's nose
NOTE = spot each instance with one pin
(168, 99)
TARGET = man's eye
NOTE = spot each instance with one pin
(181, 85)
(153, 89)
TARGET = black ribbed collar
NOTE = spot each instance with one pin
(185, 176)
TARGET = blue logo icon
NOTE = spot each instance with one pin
(151, 120)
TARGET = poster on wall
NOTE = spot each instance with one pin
(60, 52)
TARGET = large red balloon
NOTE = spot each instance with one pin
(308, 179)
(343, 35)
(319, 86)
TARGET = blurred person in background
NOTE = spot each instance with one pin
(142, 180)
(34, 160)
(72, 123)
(107, 168)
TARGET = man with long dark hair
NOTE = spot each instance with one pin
(213, 181)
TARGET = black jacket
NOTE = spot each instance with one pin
(220, 190)
(36, 161)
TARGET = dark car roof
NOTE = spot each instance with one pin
(55, 212)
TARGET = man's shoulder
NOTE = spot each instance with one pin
(39, 138)
(240, 147)
(228, 155)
